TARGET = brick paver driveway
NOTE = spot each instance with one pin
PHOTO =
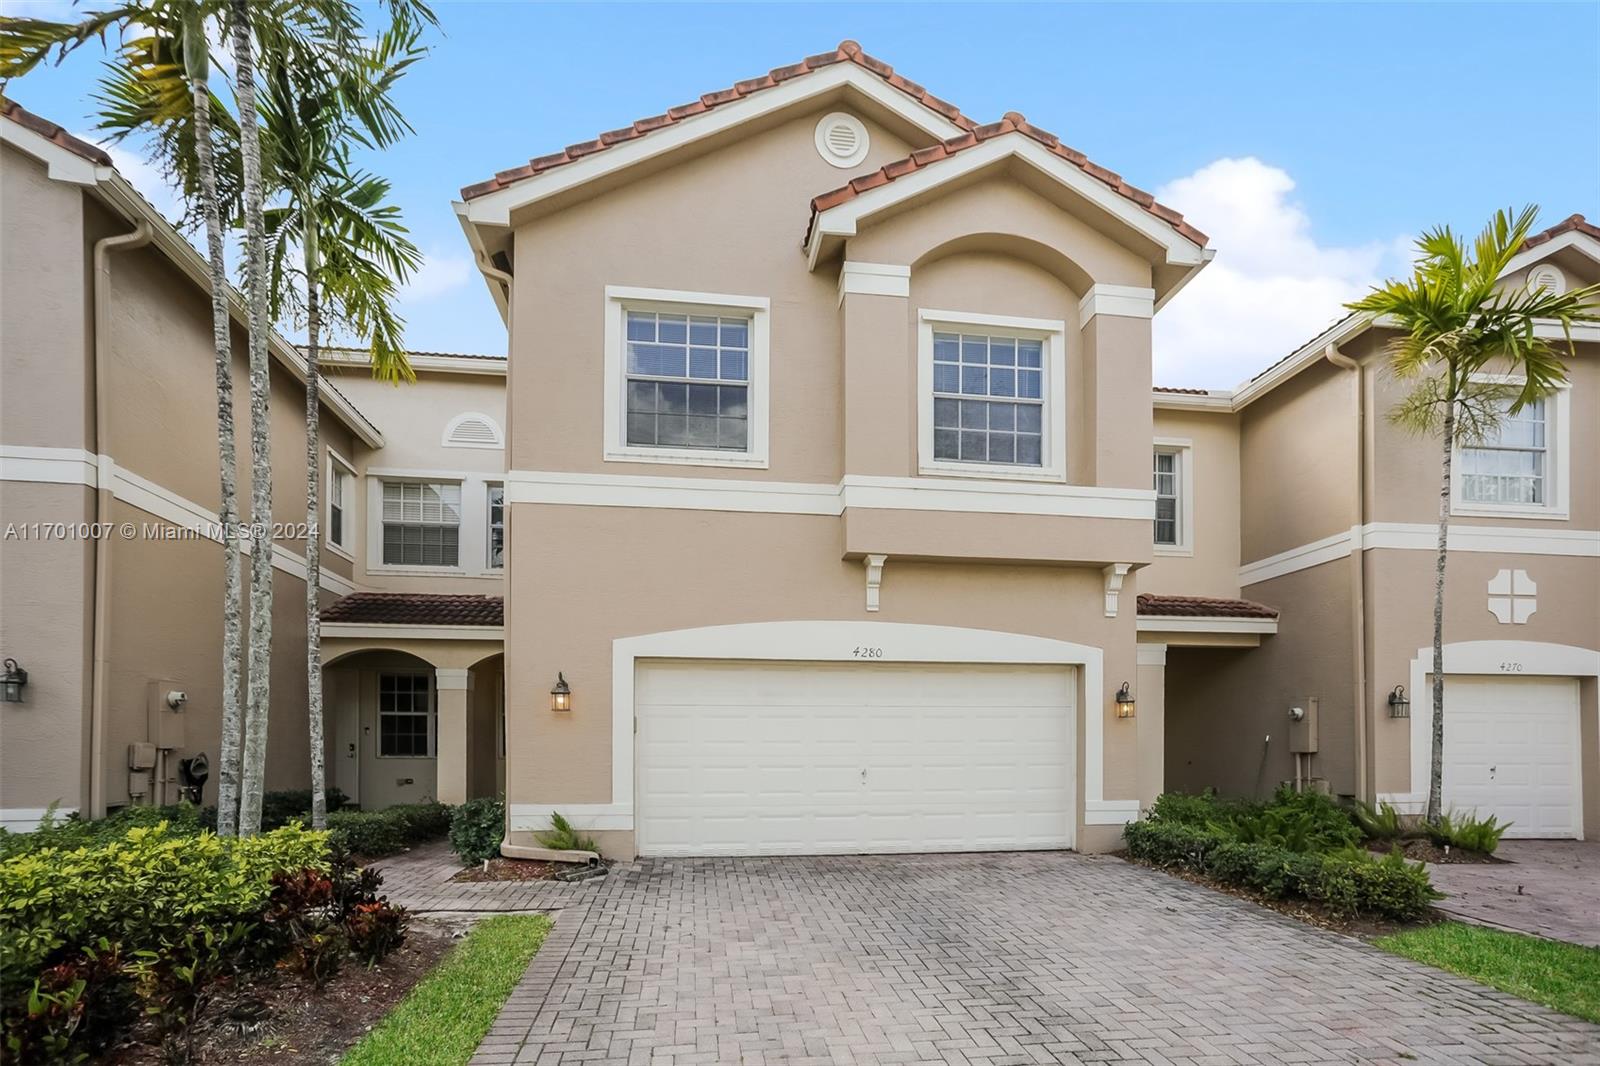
(1021, 958)
(1549, 888)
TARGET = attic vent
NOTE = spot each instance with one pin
(472, 430)
(842, 139)
(1547, 277)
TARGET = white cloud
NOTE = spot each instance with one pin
(145, 177)
(1271, 288)
(440, 273)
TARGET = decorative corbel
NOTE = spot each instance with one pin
(874, 579)
(1114, 575)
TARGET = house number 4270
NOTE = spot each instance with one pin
(1510, 668)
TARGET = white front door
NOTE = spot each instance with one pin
(1511, 749)
(783, 758)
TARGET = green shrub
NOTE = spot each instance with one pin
(1181, 808)
(422, 821)
(1380, 823)
(476, 830)
(1298, 821)
(293, 805)
(1163, 844)
(561, 836)
(1466, 831)
(369, 833)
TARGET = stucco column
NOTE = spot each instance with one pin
(880, 374)
(1152, 696)
(1112, 421)
(453, 751)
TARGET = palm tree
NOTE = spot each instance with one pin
(352, 251)
(143, 93)
(1462, 335)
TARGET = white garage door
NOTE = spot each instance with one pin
(768, 758)
(1511, 749)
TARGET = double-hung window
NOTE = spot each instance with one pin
(1513, 466)
(497, 526)
(405, 716)
(421, 523)
(1169, 517)
(1521, 468)
(341, 497)
(993, 396)
(686, 377)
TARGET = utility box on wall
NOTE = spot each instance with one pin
(1303, 726)
(167, 702)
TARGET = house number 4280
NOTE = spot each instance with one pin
(862, 652)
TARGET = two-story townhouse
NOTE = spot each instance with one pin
(107, 421)
(828, 475)
(1337, 511)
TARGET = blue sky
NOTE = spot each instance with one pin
(1310, 141)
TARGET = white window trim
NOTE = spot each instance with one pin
(488, 527)
(619, 300)
(1053, 449)
(1558, 476)
(1184, 448)
(337, 465)
(455, 423)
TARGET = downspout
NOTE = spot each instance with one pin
(104, 475)
(1358, 574)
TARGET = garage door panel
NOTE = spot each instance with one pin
(1511, 750)
(798, 758)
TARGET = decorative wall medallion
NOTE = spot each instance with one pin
(1512, 597)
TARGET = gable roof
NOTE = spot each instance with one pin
(847, 52)
(1013, 122)
(54, 133)
(1570, 224)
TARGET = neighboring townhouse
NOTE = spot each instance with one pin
(104, 301)
(1337, 527)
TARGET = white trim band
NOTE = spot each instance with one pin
(1424, 536)
(400, 631)
(874, 279)
(1124, 301)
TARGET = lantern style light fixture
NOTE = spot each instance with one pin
(12, 681)
(560, 694)
(1125, 703)
(1399, 706)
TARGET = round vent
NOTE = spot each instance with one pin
(1548, 278)
(842, 139)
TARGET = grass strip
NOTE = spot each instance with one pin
(1563, 976)
(444, 1018)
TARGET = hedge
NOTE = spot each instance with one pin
(1347, 882)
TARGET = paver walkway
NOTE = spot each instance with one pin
(419, 880)
(991, 959)
(1550, 888)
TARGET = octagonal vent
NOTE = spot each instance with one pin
(1547, 277)
(842, 139)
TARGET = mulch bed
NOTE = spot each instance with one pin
(1303, 909)
(304, 1024)
(517, 870)
(1419, 850)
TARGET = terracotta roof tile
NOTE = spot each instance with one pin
(976, 135)
(52, 132)
(1566, 225)
(847, 52)
(416, 609)
(1185, 392)
(1157, 606)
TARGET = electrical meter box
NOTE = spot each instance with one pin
(1303, 727)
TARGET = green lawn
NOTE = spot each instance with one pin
(443, 1019)
(1563, 976)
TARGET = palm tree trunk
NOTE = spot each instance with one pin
(319, 800)
(260, 678)
(1436, 774)
(232, 593)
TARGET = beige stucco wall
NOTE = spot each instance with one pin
(1211, 567)
(165, 595)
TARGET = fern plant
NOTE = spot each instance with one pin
(561, 836)
(1378, 823)
(1468, 832)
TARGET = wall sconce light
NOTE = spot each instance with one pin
(560, 694)
(1399, 706)
(12, 681)
(1125, 704)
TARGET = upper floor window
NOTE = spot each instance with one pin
(993, 402)
(421, 523)
(341, 496)
(497, 526)
(1166, 485)
(1521, 467)
(686, 377)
